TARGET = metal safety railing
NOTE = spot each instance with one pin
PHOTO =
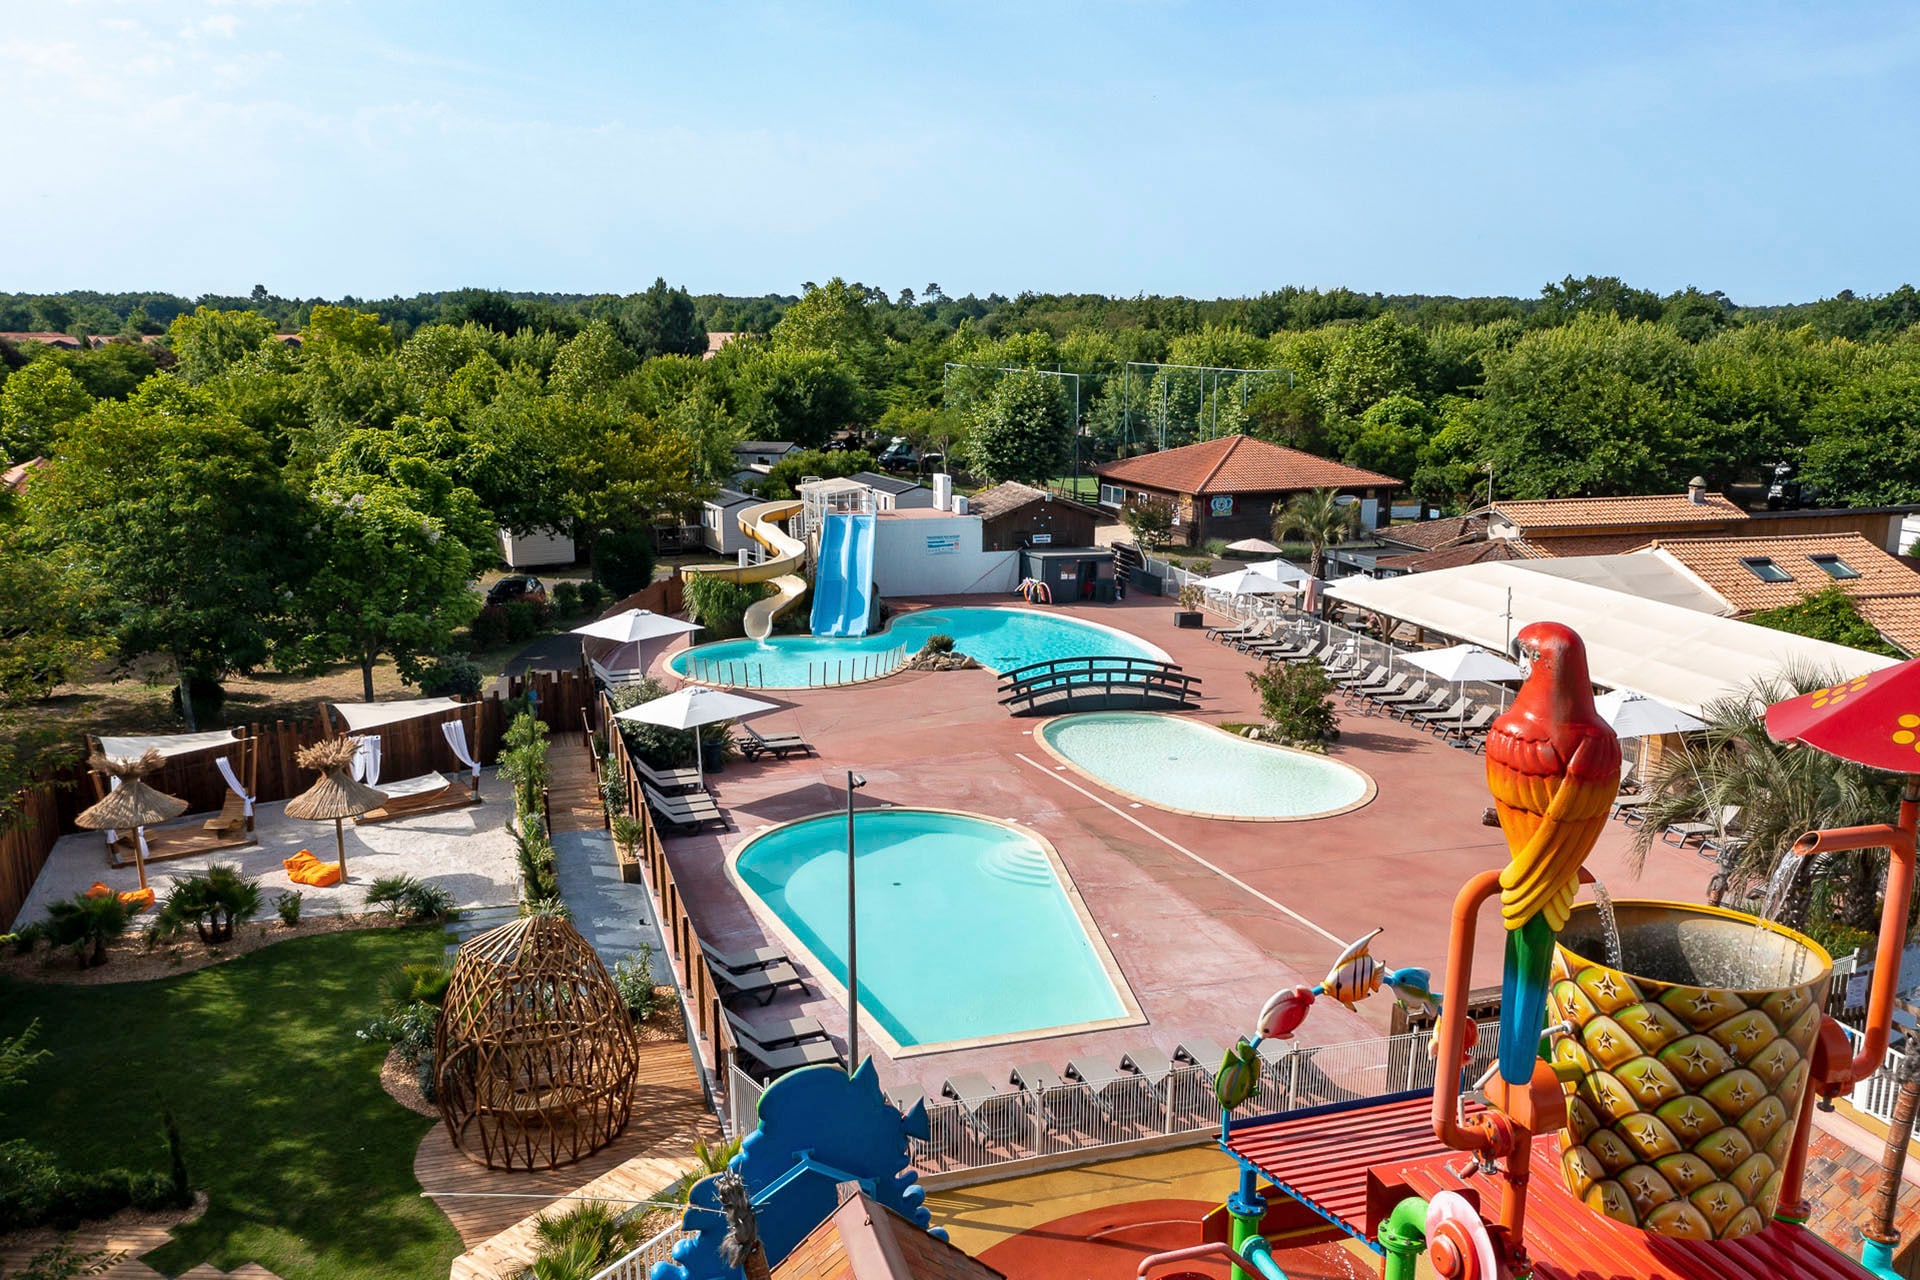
(1875, 1094)
(749, 673)
(636, 1265)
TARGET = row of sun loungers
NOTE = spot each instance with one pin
(677, 797)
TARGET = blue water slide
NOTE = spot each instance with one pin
(843, 575)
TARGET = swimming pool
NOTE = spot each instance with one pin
(969, 930)
(998, 638)
(1191, 767)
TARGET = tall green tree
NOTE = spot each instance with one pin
(172, 519)
(1022, 431)
(1320, 519)
(33, 403)
(802, 396)
(207, 342)
(662, 322)
(1864, 436)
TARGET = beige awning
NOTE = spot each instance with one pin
(362, 716)
(1683, 657)
(168, 745)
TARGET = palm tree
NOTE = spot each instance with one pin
(1782, 792)
(1321, 519)
(581, 1242)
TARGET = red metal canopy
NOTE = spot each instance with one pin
(1872, 719)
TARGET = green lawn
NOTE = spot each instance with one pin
(307, 1163)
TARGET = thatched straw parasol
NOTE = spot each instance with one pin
(336, 796)
(133, 804)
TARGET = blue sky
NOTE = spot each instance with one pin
(1206, 149)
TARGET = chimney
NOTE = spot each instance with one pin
(942, 491)
(1697, 491)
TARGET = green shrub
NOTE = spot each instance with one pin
(633, 978)
(523, 620)
(213, 903)
(613, 786)
(548, 906)
(720, 606)
(660, 747)
(582, 1241)
(417, 984)
(87, 925)
(1297, 699)
(566, 597)
(1839, 939)
(448, 676)
(628, 833)
(488, 629)
(939, 644)
(288, 906)
(414, 901)
(37, 1192)
(27, 937)
(592, 597)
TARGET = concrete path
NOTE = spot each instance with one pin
(616, 917)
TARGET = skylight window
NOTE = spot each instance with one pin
(1834, 567)
(1763, 568)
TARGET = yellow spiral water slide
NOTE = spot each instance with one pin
(761, 522)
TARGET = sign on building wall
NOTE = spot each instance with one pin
(1042, 539)
(943, 544)
(1222, 505)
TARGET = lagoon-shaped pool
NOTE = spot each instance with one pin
(1001, 639)
(969, 928)
(1187, 766)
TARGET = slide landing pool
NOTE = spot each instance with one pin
(970, 930)
(1187, 766)
(1001, 639)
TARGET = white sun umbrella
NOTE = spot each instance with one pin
(1634, 715)
(1255, 547)
(1247, 582)
(1463, 662)
(692, 706)
(634, 627)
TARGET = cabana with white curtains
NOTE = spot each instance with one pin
(231, 754)
(428, 792)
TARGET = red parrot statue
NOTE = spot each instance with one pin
(1553, 766)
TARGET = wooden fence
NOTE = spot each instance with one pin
(707, 1031)
(25, 841)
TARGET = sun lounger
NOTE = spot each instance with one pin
(1034, 1077)
(1478, 723)
(691, 811)
(1206, 1054)
(426, 793)
(990, 1112)
(667, 781)
(1377, 681)
(762, 984)
(1149, 1064)
(1238, 632)
(1407, 710)
(1391, 689)
(1375, 674)
(905, 1097)
(745, 961)
(1686, 831)
(753, 745)
(777, 1033)
(1454, 713)
(1420, 692)
(777, 1061)
(1277, 647)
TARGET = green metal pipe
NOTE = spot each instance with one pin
(1404, 1236)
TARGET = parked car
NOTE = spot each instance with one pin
(517, 586)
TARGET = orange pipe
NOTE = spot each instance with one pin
(1450, 1036)
(1899, 843)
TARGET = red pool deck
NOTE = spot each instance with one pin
(1205, 917)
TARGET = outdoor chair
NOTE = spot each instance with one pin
(1276, 647)
(753, 744)
(1268, 632)
(777, 1033)
(1121, 1095)
(1472, 730)
(745, 961)
(1235, 632)
(778, 1061)
(1418, 693)
(690, 812)
(1453, 713)
(1357, 678)
(1686, 831)
(1377, 681)
(1202, 1053)
(1391, 689)
(905, 1097)
(762, 984)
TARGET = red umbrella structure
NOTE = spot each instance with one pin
(1872, 719)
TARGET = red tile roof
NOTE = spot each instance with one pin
(14, 478)
(1239, 464)
(716, 339)
(1455, 555)
(1887, 592)
(52, 339)
(1011, 495)
(1651, 510)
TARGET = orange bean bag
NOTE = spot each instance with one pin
(304, 868)
(137, 900)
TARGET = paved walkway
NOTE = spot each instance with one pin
(616, 917)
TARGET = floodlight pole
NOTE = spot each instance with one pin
(854, 783)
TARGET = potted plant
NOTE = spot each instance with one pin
(1188, 614)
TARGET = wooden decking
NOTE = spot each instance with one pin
(669, 1112)
(573, 792)
(515, 1249)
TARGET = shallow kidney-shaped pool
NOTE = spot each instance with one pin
(969, 929)
(1189, 767)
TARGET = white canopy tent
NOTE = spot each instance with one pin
(1683, 657)
(237, 767)
(424, 792)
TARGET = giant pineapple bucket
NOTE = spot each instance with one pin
(1689, 1063)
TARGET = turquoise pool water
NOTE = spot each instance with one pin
(965, 930)
(998, 638)
(1176, 763)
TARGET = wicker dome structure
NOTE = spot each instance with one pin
(535, 1051)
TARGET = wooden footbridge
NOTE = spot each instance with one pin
(1060, 685)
